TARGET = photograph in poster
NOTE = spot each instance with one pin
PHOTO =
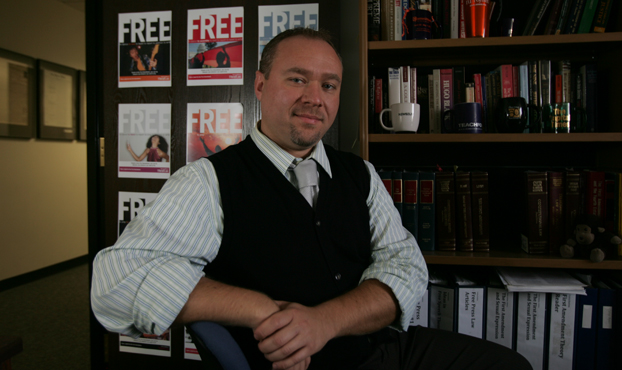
(212, 127)
(215, 46)
(147, 344)
(274, 19)
(145, 49)
(190, 349)
(144, 137)
(130, 205)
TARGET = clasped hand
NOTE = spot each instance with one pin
(290, 336)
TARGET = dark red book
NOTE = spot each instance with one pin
(557, 232)
(480, 211)
(445, 218)
(595, 194)
(535, 228)
(464, 218)
(573, 198)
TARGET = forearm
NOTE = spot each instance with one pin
(214, 301)
(368, 308)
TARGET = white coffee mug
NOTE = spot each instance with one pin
(404, 116)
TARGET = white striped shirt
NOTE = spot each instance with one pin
(142, 282)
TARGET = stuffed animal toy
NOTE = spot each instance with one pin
(590, 241)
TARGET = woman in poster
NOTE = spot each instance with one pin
(155, 150)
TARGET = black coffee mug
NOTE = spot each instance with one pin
(512, 116)
(464, 118)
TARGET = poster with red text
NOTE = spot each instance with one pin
(215, 48)
(145, 49)
(144, 137)
(274, 19)
(212, 127)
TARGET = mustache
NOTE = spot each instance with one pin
(312, 112)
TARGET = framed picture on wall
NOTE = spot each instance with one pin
(18, 95)
(82, 106)
(58, 107)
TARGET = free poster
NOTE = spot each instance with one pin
(145, 49)
(147, 344)
(130, 205)
(274, 19)
(212, 127)
(215, 46)
(144, 137)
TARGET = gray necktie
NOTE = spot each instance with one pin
(306, 174)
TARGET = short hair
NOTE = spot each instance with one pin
(269, 51)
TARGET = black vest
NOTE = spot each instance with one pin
(275, 243)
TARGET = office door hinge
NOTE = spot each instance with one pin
(102, 152)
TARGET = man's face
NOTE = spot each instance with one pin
(300, 99)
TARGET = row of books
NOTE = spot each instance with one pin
(553, 199)
(443, 210)
(451, 211)
(556, 17)
(547, 86)
(552, 328)
(390, 20)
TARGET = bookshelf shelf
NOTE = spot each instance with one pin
(555, 41)
(514, 259)
(497, 138)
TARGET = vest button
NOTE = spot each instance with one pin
(317, 223)
(337, 276)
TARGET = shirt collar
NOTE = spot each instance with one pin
(282, 159)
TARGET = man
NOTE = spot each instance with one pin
(299, 284)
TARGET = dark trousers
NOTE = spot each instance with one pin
(426, 349)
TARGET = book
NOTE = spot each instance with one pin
(531, 328)
(602, 16)
(387, 180)
(585, 329)
(595, 194)
(557, 231)
(442, 300)
(423, 99)
(515, 81)
(612, 185)
(535, 16)
(414, 88)
(480, 211)
(470, 304)
(397, 191)
(561, 331)
(454, 19)
(507, 81)
(459, 85)
(395, 86)
(446, 95)
(397, 19)
(410, 207)
(564, 14)
(445, 220)
(488, 123)
(421, 314)
(574, 18)
(564, 68)
(431, 111)
(373, 20)
(464, 218)
(523, 71)
(386, 20)
(405, 84)
(426, 225)
(544, 82)
(435, 126)
(500, 313)
(535, 220)
(573, 194)
(608, 309)
(378, 103)
(589, 96)
(553, 18)
(585, 26)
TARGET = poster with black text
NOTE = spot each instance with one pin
(274, 19)
(145, 49)
(130, 205)
(144, 137)
(215, 46)
(147, 344)
(212, 127)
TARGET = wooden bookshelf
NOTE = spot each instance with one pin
(583, 150)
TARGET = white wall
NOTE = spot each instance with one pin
(43, 200)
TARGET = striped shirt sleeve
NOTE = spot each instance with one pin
(396, 258)
(142, 282)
